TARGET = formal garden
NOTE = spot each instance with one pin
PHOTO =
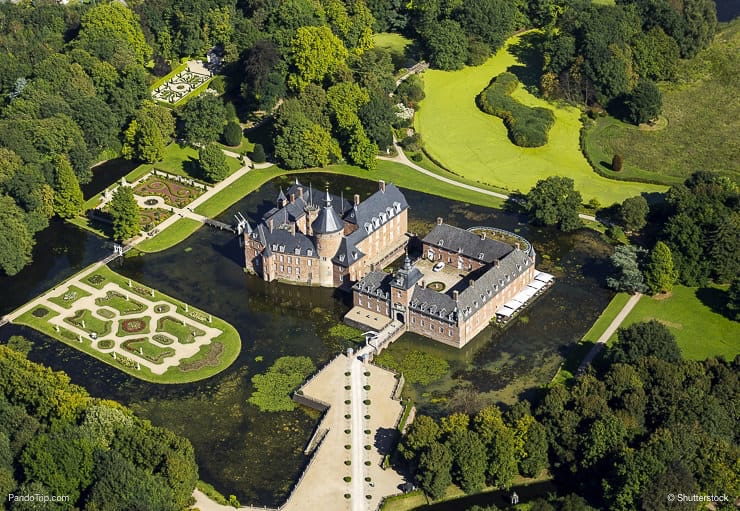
(180, 83)
(136, 329)
(175, 193)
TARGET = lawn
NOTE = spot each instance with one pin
(115, 300)
(185, 334)
(701, 131)
(398, 46)
(473, 144)
(178, 160)
(84, 320)
(692, 315)
(70, 295)
(171, 236)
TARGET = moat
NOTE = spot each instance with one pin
(257, 456)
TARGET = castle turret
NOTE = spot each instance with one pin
(328, 229)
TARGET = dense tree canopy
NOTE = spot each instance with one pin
(554, 201)
(212, 162)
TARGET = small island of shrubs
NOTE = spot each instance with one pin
(528, 126)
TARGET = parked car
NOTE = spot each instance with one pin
(438, 266)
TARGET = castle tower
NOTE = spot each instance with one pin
(402, 286)
(328, 229)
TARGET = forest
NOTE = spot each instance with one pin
(76, 79)
(641, 425)
(55, 439)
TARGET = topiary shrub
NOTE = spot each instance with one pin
(617, 163)
(258, 154)
(528, 126)
(232, 134)
(347, 479)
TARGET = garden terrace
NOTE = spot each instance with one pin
(166, 342)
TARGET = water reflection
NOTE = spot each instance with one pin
(258, 456)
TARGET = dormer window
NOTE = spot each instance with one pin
(383, 218)
(441, 243)
(397, 207)
(274, 247)
(368, 227)
(281, 248)
(480, 256)
(341, 258)
(309, 252)
(376, 222)
(354, 255)
(297, 251)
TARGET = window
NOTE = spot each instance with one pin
(413, 319)
(359, 300)
(310, 262)
(298, 269)
(281, 259)
(290, 269)
(422, 322)
(290, 259)
(282, 268)
(441, 330)
(449, 332)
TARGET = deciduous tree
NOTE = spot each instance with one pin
(554, 201)
(16, 241)
(633, 213)
(212, 162)
(645, 339)
(435, 465)
(315, 52)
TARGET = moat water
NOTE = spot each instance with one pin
(258, 456)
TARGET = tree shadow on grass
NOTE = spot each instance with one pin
(192, 167)
(528, 52)
(715, 299)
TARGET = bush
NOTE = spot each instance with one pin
(347, 479)
(617, 163)
(232, 135)
(528, 127)
(218, 84)
(258, 154)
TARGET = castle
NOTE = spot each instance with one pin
(320, 239)
(484, 276)
(326, 240)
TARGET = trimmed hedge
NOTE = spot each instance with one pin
(528, 126)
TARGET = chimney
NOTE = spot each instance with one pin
(269, 224)
(357, 199)
(439, 220)
(455, 295)
(292, 198)
(381, 185)
(300, 192)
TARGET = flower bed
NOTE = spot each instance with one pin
(143, 348)
(174, 194)
(105, 344)
(134, 325)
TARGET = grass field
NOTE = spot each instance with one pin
(703, 119)
(178, 160)
(399, 47)
(171, 236)
(691, 314)
(475, 145)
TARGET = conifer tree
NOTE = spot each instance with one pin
(68, 198)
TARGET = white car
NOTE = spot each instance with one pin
(438, 266)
